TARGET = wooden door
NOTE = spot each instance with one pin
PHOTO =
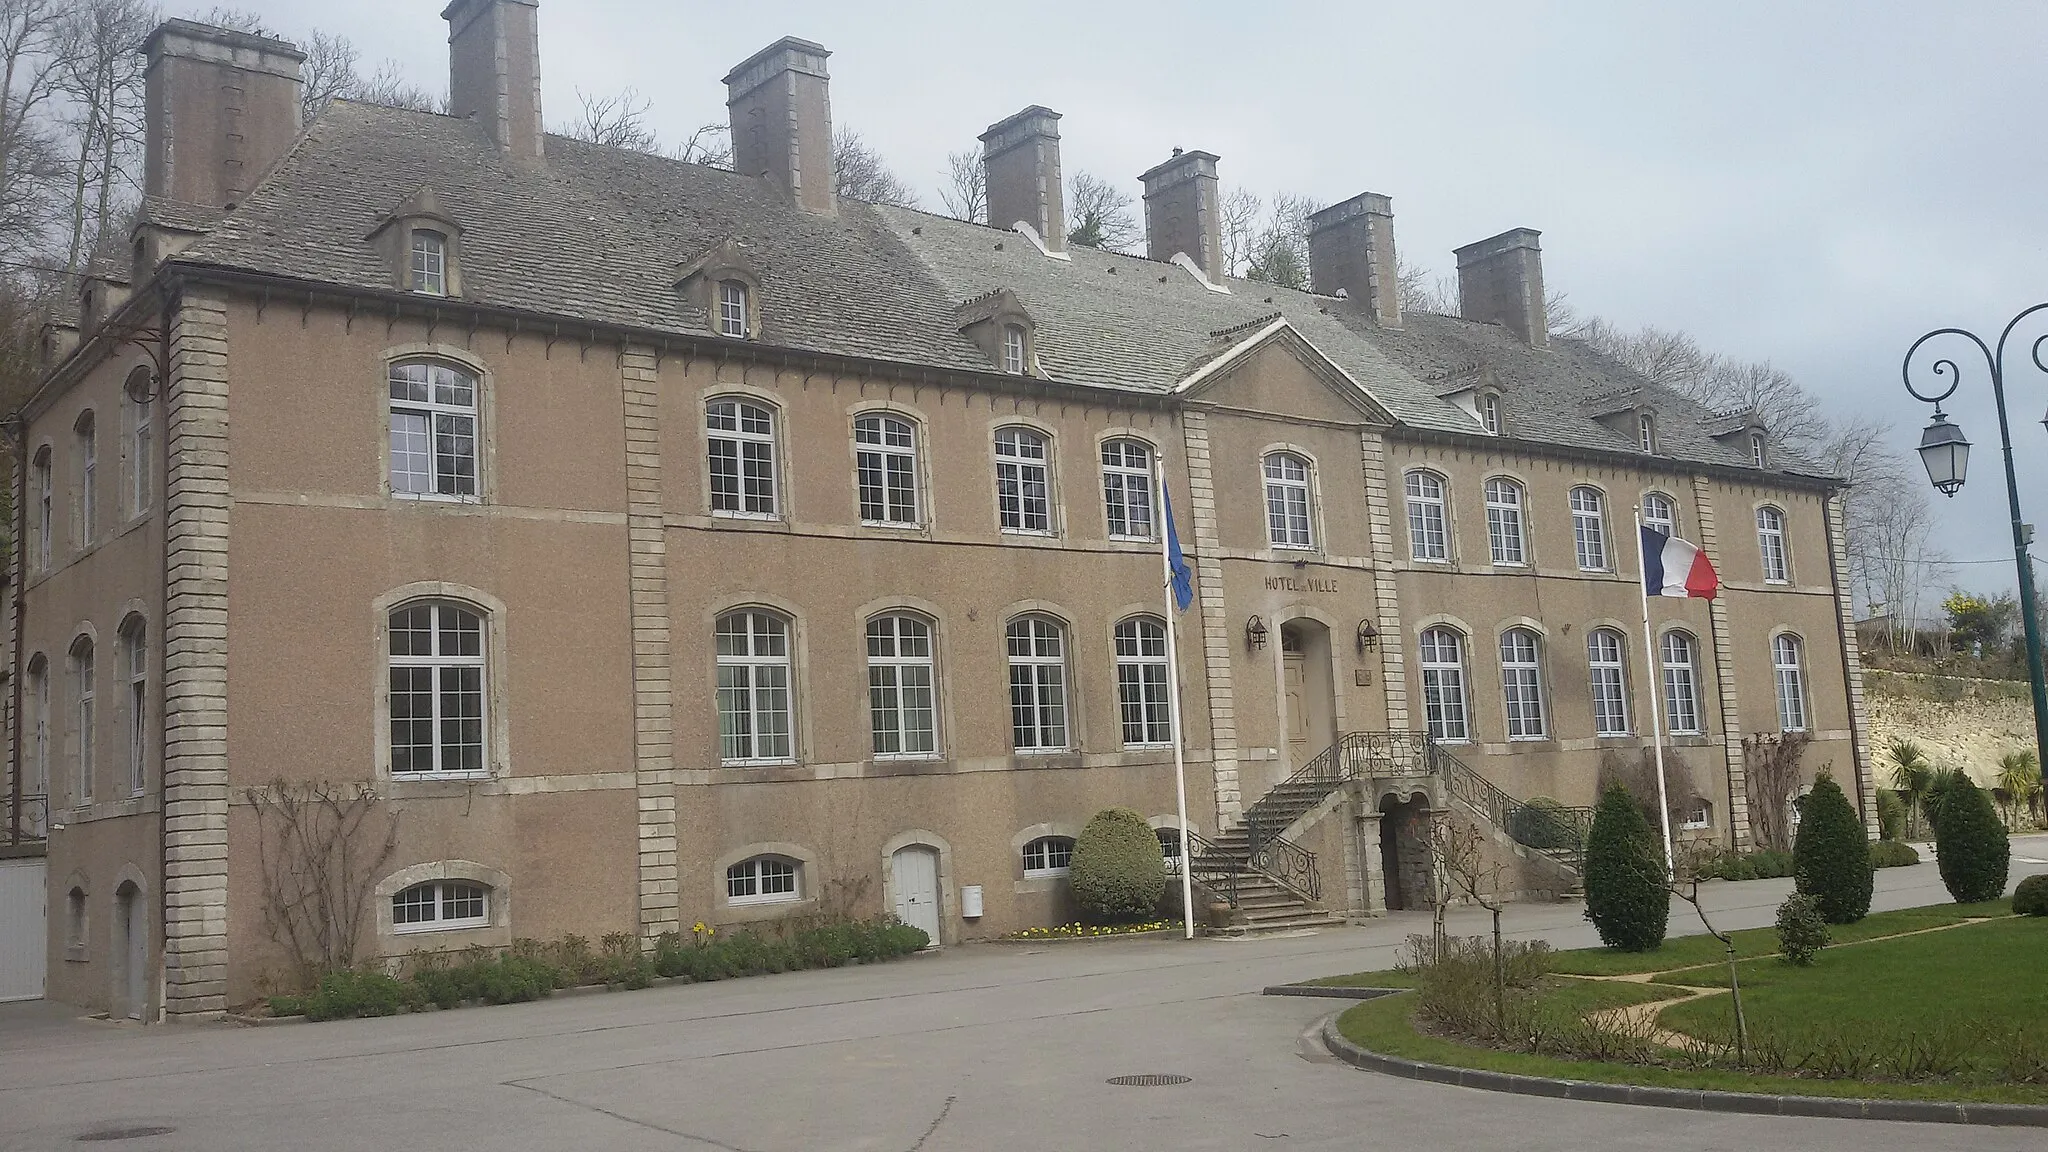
(1300, 738)
(915, 872)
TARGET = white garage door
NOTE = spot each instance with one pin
(24, 929)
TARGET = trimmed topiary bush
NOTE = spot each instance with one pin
(1118, 872)
(1802, 928)
(2031, 897)
(1540, 823)
(1970, 844)
(1831, 857)
(1891, 815)
(1892, 854)
(1625, 894)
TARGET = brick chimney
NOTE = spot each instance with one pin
(1500, 281)
(1020, 158)
(1181, 211)
(781, 108)
(494, 71)
(219, 108)
(1351, 246)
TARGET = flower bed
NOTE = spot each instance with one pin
(1079, 931)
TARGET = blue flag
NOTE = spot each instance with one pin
(1176, 563)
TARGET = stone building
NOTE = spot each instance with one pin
(658, 543)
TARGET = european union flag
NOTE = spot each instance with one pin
(1176, 563)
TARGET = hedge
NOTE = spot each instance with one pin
(1625, 894)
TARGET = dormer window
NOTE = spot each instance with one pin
(1013, 349)
(1756, 449)
(429, 262)
(1489, 412)
(1646, 432)
(732, 309)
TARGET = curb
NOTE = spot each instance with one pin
(1333, 991)
(1694, 1099)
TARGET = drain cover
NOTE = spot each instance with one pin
(1149, 1080)
(127, 1133)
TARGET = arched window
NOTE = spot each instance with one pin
(1141, 681)
(1428, 536)
(1790, 672)
(1681, 684)
(75, 925)
(1660, 512)
(741, 443)
(1646, 432)
(1013, 349)
(437, 689)
(764, 880)
(440, 905)
(754, 699)
(433, 430)
(87, 714)
(1038, 684)
(1606, 661)
(1023, 480)
(1589, 528)
(1048, 856)
(88, 480)
(1521, 682)
(732, 309)
(902, 706)
(1287, 502)
(429, 262)
(1770, 544)
(1127, 489)
(1443, 685)
(1504, 522)
(1489, 412)
(141, 458)
(38, 725)
(1756, 449)
(46, 540)
(135, 670)
(885, 467)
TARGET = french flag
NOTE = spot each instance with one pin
(1672, 567)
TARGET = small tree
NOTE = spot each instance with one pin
(1970, 844)
(2019, 777)
(1770, 765)
(1831, 857)
(1118, 871)
(1626, 896)
(1692, 860)
(1802, 929)
(1457, 848)
(1912, 773)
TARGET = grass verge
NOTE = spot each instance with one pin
(1691, 951)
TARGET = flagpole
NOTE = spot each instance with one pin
(1656, 689)
(1180, 770)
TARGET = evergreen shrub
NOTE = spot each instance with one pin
(1970, 844)
(1625, 894)
(1892, 854)
(1118, 872)
(1831, 857)
(1540, 824)
(1802, 928)
(1891, 815)
(2031, 897)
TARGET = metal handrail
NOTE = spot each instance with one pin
(33, 827)
(1355, 755)
(1556, 830)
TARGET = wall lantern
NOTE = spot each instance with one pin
(1255, 633)
(1368, 636)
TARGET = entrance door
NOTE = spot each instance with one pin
(24, 931)
(1300, 731)
(131, 953)
(915, 872)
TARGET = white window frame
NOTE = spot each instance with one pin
(1446, 705)
(764, 879)
(756, 681)
(88, 480)
(135, 658)
(86, 716)
(1048, 856)
(446, 894)
(444, 423)
(429, 262)
(1507, 540)
(444, 617)
(1789, 672)
(1756, 449)
(141, 472)
(885, 470)
(1013, 349)
(1607, 668)
(1698, 816)
(1666, 520)
(1489, 412)
(1290, 501)
(901, 668)
(39, 732)
(46, 542)
(1770, 545)
(1024, 481)
(1429, 526)
(1521, 685)
(1040, 719)
(1142, 683)
(1589, 528)
(1127, 495)
(1646, 432)
(732, 309)
(743, 458)
(1679, 653)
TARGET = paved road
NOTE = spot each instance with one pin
(976, 1048)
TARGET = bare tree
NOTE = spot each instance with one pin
(30, 163)
(329, 71)
(389, 87)
(1101, 215)
(862, 174)
(319, 850)
(965, 193)
(1279, 255)
(1424, 291)
(1458, 849)
(1238, 213)
(235, 20)
(99, 77)
(616, 121)
(710, 145)
(1770, 765)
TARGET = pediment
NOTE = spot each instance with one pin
(1276, 369)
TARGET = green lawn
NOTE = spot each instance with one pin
(1385, 1025)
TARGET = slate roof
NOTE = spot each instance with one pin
(599, 234)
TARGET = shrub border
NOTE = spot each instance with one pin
(1692, 1099)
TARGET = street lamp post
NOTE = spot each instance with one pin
(1946, 454)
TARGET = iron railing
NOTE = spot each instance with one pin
(1355, 756)
(29, 825)
(1291, 865)
(1208, 863)
(1555, 830)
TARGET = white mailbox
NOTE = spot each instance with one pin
(970, 901)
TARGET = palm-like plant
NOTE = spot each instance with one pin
(2019, 777)
(1912, 776)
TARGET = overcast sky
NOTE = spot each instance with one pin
(1811, 184)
